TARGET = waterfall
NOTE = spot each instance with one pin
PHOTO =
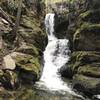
(49, 23)
(55, 56)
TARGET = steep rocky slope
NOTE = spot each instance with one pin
(21, 44)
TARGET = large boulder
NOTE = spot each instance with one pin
(89, 85)
(28, 67)
(19, 68)
(82, 62)
(87, 38)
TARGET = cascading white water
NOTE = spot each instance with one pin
(55, 56)
(49, 23)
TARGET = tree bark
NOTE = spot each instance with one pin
(17, 22)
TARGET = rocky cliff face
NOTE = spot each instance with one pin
(21, 44)
(84, 29)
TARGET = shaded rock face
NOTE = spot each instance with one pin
(84, 64)
(87, 38)
(88, 85)
(61, 24)
(20, 56)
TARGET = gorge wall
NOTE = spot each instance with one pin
(22, 42)
(84, 31)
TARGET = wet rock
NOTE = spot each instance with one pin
(86, 37)
(83, 60)
(9, 79)
(90, 70)
(88, 85)
(23, 93)
(66, 71)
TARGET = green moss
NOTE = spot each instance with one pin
(89, 70)
(23, 59)
(31, 23)
(85, 14)
(29, 49)
(26, 94)
(1, 73)
(35, 62)
(76, 61)
(86, 27)
(82, 58)
(79, 55)
(86, 82)
(89, 26)
(28, 63)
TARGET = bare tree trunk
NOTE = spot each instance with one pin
(17, 23)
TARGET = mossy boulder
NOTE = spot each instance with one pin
(22, 69)
(89, 85)
(92, 70)
(28, 63)
(81, 60)
(28, 67)
(84, 69)
(86, 37)
(85, 56)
